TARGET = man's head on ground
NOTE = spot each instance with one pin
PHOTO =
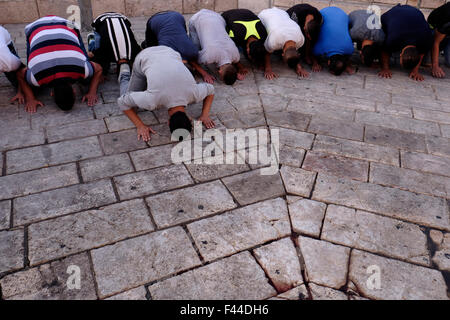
(312, 28)
(256, 51)
(409, 57)
(179, 122)
(370, 54)
(228, 74)
(64, 95)
(291, 57)
(337, 64)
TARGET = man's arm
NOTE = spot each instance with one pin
(204, 118)
(143, 132)
(31, 102)
(415, 72)
(301, 71)
(436, 70)
(205, 75)
(91, 97)
(242, 71)
(385, 70)
(268, 73)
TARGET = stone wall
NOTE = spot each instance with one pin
(21, 11)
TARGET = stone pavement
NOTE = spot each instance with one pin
(362, 195)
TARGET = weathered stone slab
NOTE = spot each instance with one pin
(324, 293)
(11, 250)
(288, 120)
(153, 181)
(59, 118)
(326, 263)
(59, 202)
(120, 123)
(431, 115)
(426, 163)
(67, 235)
(76, 130)
(399, 123)
(298, 181)
(120, 142)
(321, 108)
(251, 187)
(52, 154)
(13, 138)
(290, 156)
(355, 149)
(445, 130)
(188, 204)
(441, 257)
(152, 158)
(274, 103)
(335, 128)
(335, 165)
(138, 294)
(394, 110)
(236, 278)
(108, 109)
(353, 91)
(307, 216)
(428, 104)
(49, 281)
(105, 167)
(23, 184)
(247, 103)
(397, 282)
(296, 294)
(439, 146)
(376, 234)
(281, 263)
(296, 139)
(410, 180)
(241, 229)
(138, 261)
(395, 138)
(5, 213)
(389, 202)
(339, 102)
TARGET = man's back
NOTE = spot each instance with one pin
(170, 30)
(406, 25)
(242, 24)
(55, 52)
(334, 36)
(281, 29)
(217, 47)
(169, 82)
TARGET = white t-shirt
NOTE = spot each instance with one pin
(8, 61)
(209, 28)
(281, 29)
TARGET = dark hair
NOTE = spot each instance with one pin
(337, 64)
(257, 51)
(64, 96)
(410, 58)
(292, 57)
(313, 30)
(229, 74)
(180, 121)
(370, 53)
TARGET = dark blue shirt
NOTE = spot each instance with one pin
(334, 35)
(170, 30)
(405, 25)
